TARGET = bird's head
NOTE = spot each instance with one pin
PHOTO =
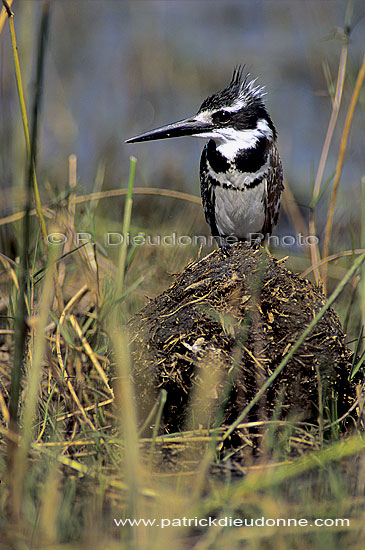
(235, 114)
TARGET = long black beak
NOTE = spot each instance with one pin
(186, 127)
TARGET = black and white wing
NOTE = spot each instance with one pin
(207, 193)
(273, 189)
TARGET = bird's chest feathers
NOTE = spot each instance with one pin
(239, 186)
(242, 168)
(240, 213)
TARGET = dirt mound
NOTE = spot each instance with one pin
(222, 328)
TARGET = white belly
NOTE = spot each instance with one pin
(240, 213)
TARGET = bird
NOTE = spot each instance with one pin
(241, 175)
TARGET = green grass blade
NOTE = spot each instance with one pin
(126, 225)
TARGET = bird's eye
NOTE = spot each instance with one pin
(221, 116)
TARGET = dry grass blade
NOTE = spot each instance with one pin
(72, 179)
(340, 161)
(79, 406)
(156, 191)
(293, 212)
(86, 409)
(4, 409)
(65, 312)
(315, 255)
(4, 14)
(8, 267)
(332, 123)
(88, 349)
(331, 258)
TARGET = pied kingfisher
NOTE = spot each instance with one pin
(241, 176)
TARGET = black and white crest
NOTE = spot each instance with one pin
(241, 92)
(239, 105)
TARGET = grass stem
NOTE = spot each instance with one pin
(340, 161)
(37, 354)
(315, 255)
(23, 110)
(126, 226)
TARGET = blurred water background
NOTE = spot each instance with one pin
(116, 68)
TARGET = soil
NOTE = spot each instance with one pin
(220, 330)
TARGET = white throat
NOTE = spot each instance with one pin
(229, 141)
